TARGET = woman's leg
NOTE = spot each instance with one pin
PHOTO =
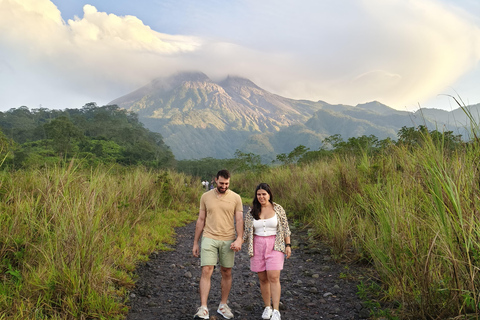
(265, 288)
(273, 277)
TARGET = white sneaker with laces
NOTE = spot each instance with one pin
(202, 313)
(276, 315)
(225, 311)
(267, 313)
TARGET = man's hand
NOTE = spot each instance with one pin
(236, 245)
(196, 250)
(198, 232)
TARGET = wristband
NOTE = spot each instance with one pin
(288, 245)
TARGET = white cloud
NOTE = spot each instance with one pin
(428, 45)
(124, 33)
(92, 55)
(404, 52)
(410, 51)
(400, 52)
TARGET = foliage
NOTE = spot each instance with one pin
(207, 168)
(70, 238)
(246, 162)
(63, 134)
(94, 134)
(293, 156)
(6, 147)
(410, 137)
(418, 137)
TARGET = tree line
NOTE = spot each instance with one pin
(109, 134)
(408, 137)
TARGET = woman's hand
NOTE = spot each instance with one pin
(288, 252)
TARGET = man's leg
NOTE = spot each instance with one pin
(227, 259)
(226, 283)
(205, 284)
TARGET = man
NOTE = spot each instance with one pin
(221, 212)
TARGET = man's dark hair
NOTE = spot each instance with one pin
(223, 173)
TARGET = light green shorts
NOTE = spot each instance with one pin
(217, 250)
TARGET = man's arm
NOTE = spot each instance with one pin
(198, 232)
(237, 244)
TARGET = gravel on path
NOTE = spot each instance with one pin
(314, 286)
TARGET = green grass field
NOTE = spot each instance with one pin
(70, 238)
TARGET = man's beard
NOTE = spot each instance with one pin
(221, 190)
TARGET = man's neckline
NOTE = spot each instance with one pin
(218, 194)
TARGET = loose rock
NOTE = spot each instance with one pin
(167, 285)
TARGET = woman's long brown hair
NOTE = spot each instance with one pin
(257, 207)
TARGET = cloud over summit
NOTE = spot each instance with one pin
(398, 52)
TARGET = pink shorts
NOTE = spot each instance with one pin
(264, 257)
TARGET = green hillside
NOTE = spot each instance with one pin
(92, 134)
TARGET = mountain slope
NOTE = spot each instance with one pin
(193, 99)
(199, 118)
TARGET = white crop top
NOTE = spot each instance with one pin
(265, 227)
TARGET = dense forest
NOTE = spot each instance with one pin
(91, 134)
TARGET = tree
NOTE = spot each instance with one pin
(247, 162)
(363, 144)
(205, 168)
(416, 137)
(293, 156)
(335, 142)
(315, 155)
(446, 139)
(63, 133)
(412, 136)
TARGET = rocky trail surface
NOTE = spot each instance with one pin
(314, 286)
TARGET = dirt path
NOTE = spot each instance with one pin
(313, 285)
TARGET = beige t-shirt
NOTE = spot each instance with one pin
(220, 214)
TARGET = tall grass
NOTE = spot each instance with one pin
(70, 238)
(413, 214)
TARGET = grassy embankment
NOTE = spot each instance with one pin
(70, 238)
(412, 213)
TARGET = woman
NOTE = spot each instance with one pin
(268, 238)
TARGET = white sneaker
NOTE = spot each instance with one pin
(202, 313)
(267, 313)
(225, 311)
(276, 315)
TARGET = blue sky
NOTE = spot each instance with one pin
(404, 53)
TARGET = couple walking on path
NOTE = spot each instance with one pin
(222, 229)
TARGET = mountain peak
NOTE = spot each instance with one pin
(235, 81)
(376, 106)
(192, 76)
(177, 79)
